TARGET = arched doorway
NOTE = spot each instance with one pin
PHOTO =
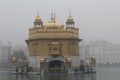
(56, 65)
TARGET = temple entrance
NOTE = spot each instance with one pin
(56, 66)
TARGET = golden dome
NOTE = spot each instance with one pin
(14, 58)
(42, 60)
(93, 58)
(69, 59)
(81, 59)
(38, 19)
(20, 60)
(70, 19)
(53, 25)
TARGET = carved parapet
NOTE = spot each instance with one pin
(53, 33)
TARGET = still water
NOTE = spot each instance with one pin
(103, 73)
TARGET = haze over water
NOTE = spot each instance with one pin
(103, 73)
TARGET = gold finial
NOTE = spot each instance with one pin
(69, 12)
(37, 13)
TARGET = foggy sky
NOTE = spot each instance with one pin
(96, 19)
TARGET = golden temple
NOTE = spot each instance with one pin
(53, 46)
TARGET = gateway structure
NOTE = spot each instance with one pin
(52, 46)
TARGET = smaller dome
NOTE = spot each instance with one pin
(70, 18)
(93, 58)
(69, 60)
(20, 60)
(81, 59)
(38, 19)
(42, 60)
(14, 58)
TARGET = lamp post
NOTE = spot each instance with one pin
(17, 63)
(42, 64)
(69, 61)
(20, 64)
(14, 63)
(93, 62)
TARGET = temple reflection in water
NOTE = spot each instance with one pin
(57, 76)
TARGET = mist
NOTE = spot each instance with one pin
(96, 19)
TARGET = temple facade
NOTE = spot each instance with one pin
(53, 46)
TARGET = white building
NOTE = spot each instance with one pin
(5, 52)
(105, 52)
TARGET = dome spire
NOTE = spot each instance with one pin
(53, 17)
(69, 12)
(70, 20)
(37, 13)
(38, 21)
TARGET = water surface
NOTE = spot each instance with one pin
(103, 73)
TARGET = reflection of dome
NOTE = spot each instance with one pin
(53, 25)
(42, 60)
(38, 19)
